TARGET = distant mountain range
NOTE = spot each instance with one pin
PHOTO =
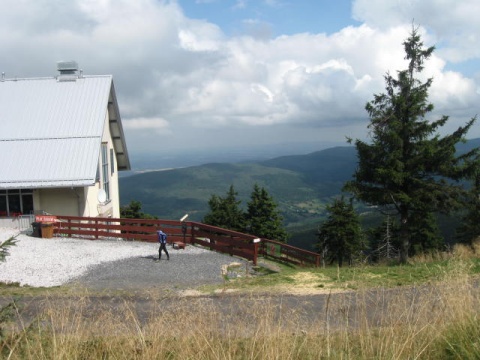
(300, 184)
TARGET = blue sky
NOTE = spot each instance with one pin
(275, 17)
(228, 75)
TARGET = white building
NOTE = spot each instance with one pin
(61, 145)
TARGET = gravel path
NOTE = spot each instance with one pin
(107, 264)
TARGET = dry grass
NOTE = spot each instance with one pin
(459, 252)
(438, 320)
(427, 322)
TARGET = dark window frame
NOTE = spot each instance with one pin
(105, 171)
(112, 162)
(22, 198)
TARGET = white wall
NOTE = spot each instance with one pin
(112, 207)
(60, 201)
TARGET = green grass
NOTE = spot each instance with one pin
(351, 278)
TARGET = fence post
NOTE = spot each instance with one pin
(192, 234)
(184, 231)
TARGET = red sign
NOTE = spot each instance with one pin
(45, 218)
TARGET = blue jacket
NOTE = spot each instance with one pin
(162, 237)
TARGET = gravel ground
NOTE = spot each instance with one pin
(107, 264)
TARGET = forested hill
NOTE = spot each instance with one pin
(301, 184)
(330, 165)
(334, 164)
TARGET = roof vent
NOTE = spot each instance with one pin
(67, 67)
(68, 70)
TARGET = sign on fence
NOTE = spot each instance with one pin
(45, 218)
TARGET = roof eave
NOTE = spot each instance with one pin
(116, 129)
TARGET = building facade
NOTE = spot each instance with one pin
(62, 145)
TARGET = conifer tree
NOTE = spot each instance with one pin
(263, 218)
(134, 211)
(408, 167)
(469, 230)
(340, 237)
(226, 212)
(425, 234)
(5, 246)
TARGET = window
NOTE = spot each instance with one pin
(3, 205)
(105, 170)
(27, 203)
(16, 202)
(112, 161)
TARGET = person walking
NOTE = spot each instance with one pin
(162, 239)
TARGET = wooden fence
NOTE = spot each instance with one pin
(188, 232)
(226, 241)
(290, 254)
(129, 229)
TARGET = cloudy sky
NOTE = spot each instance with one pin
(192, 75)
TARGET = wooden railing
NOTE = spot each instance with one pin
(188, 232)
(129, 229)
(226, 241)
(287, 253)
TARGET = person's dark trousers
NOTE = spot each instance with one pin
(164, 248)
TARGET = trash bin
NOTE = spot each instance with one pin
(47, 230)
(36, 229)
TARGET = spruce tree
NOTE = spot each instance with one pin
(263, 218)
(213, 216)
(340, 237)
(5, 246)
(425, 234)
(226, 212)
(134, 211)
(469, 230)
(408, 167)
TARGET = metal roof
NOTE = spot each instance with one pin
(51, 130)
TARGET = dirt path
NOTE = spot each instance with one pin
(375, 307)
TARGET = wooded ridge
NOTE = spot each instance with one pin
(300, 184)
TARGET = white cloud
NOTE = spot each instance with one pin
(452, 24)
(452, 92)
(202, 38)
(146, 124)
(185, 78)
(262, 91)
(240, 4)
